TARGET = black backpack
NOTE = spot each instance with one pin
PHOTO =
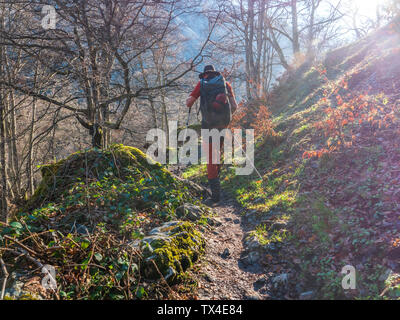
(214, 102)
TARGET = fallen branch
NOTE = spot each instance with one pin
(25, 253)
(384, 291)
(37, 263)
(163, 280)
(24, 247)
(5, 273)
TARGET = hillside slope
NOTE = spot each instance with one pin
(339, 166)
(106, 224)
(330, 196)
(333, 181)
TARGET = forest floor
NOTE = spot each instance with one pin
(225, 276)
(229, 270)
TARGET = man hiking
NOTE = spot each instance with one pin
(217, 104)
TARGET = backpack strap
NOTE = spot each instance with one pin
(201, 97)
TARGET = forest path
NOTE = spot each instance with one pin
(227, 271)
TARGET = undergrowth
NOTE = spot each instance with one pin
(84, 218)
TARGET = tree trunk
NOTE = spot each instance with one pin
(12, 144)
(310, 37)
(3, 163)
(277, 47)
(249, 49)
(29, 164)
(97, 135)
(260, 47)
(295, 28)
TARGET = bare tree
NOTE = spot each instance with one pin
(93, 54)
(3, 167)
(269, 34)
(83, 77)
(246, 36)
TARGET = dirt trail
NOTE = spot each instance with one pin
(226, 272)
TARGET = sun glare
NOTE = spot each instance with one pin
(368, 7)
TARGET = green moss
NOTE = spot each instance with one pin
(174, 256)
(266, 237)
(25, 296)
(300, 130)
(196, 172)
(94, 164)
(134, 156)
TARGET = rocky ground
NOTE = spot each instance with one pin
(232, 267)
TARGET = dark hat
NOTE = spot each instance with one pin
(207, 69)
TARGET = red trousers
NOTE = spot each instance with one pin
(213, 169)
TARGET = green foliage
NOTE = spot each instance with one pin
(267, 236)
(115, 196)
(117, 161)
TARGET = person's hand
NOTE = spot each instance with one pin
(190, 101)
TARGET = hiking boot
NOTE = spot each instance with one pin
(215, 187)
(209, 202)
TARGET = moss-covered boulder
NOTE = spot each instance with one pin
(94, 164)
(88, 211)
(170, 250)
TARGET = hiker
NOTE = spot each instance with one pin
(217, 104)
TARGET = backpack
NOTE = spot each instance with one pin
(214, 102)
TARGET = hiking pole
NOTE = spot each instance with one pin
(184, 140)
(248, 159)
(188, 118)
(187, 124)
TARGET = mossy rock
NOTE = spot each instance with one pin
(25, 296)
(173, 248)
(190, 212)
(94, 164)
